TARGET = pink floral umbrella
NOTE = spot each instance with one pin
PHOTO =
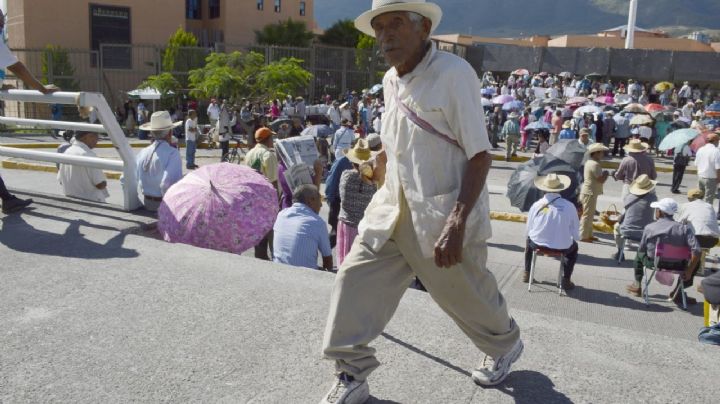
(225, 207)
(699, 141)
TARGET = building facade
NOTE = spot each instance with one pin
(84, 24)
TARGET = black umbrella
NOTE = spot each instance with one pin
(275, 125)
(521, 187)
(569, 151)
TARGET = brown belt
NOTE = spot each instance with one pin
(153, 198)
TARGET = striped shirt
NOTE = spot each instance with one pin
(298, 235)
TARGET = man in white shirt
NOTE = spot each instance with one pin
(11, 203)
(685, 93)
(707, 161)
(333, 114)
(191, 131)
(80, 181)
(342, 139)
(159, 165)
(553, 224)
(431, 217)
(700, 215)
(687, 110)
(213, 112)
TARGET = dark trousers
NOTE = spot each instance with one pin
(643, 261)
(618, 147)
(265, 245)
(4, 193)
(225, 147)
(568, 259)
(333, 221)
(678, 172)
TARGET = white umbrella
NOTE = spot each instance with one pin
(147, 93)
(587, 109)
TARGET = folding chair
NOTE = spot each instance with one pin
(668, 258)
(546, 252)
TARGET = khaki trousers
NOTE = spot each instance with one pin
(370, 284)
(511, 145)
(589, 203)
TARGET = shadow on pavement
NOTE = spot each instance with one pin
(17, 234)
(425, 354)
(530, 387)
(613, 299)
(507, 247)
(375, 400)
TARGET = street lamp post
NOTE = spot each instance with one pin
(630, 32)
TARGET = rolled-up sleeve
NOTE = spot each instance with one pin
(172, 173)
(465, 112)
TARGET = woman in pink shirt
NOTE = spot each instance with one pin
(524, 121)
(275, 110)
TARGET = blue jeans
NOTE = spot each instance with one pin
(190, 147)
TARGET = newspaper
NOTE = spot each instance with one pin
(299, 155)
(297, 150)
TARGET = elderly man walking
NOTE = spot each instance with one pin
(430, 219)
(511, 132)
(159, 165)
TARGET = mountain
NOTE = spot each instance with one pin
(544, 17)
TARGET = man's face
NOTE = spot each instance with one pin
(585, 138)
(90, 139)
(398, 36)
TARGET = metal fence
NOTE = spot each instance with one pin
(645, 65)
(116, 69)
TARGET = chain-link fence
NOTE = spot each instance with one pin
(116, 69)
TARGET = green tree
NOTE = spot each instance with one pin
(226, 75)
(342, 33)
(285, 76)
(168, 86)
(176, 57)
(57, 68)
(365, 55)
(285, 33)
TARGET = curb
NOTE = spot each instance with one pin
(604, 164)
(18, 165)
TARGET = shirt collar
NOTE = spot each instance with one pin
(304, 208)
(421, 67)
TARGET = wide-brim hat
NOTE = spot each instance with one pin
(642, 185)
(636, 146)
(513, 115)
(567, 125)
(428, 10)
(361, 153)
(160, 121)
(597, 147)
(552, 183)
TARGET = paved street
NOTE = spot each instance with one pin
(96, 309)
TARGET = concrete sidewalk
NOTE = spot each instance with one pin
(95, 310)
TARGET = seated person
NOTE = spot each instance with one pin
(299, 231)
(159, 165)
(711, 291)
(700, 215)
(638, 212)
(80, 181)
(673, 233)
(553, 223)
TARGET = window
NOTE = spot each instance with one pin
(302, 8)
(214, 6)
(111, 25)
(193, 9)
(260, 4)
(278, 6)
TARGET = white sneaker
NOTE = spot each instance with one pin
(492, 372)
(345, 391)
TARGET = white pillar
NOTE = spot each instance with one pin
(630, 32)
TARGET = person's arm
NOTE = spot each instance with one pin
(21, 72)
(380, 169)
(324, 246)
(448, 248)
(696, 252)
(318, 168)
(172, 173)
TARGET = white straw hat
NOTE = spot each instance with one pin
(553, 183)
(159, 121)
(429, 10)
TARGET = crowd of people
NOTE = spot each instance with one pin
(407, 203)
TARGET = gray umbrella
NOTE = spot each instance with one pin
(317, 131)
(569, 151)
(275, 125)
(521, 187)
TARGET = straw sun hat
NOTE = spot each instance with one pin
(552, 183)
(160, 121)
(361, 153)
(642, 185)
(636, 146)
(426, 9)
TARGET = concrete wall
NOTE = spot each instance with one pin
(242, 18)
(649, 43)
(36, 23)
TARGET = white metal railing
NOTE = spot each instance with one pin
(109, 125)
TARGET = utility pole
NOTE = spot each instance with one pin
(630, 32)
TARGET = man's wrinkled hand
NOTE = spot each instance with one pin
(448, 248)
